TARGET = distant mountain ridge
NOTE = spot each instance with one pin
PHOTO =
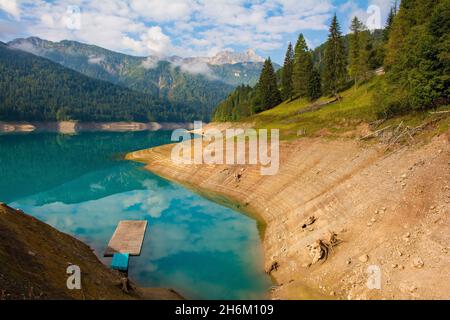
(229, 57)
(199, 83)
(33, 88)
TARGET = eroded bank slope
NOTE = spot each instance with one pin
(34, 258)
(390, 210)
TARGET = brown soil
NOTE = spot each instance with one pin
(34, 258)
(391, 210)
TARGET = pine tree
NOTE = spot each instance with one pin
(359, 55)
(335, 60)
(286, 77)
(355, 48)
(314, 85)
(389, 22)
(417, 60)
(268, 88)
(303, 64)
(364, 56)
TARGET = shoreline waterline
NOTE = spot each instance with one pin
(327, 182)
(73, 127)
(187, 233)
(235, 204)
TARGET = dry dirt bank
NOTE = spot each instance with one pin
(391, 210)
(34, 258)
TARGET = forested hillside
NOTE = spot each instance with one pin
(375, 49)
(239, 104)
(417, 58)
(301, 75)
(36, 89)
(191, 82)
(413, 49)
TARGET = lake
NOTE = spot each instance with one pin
(81, 185)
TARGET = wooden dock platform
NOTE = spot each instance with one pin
(127, 238)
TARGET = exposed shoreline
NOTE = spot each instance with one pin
(71, 127)
(384, 207)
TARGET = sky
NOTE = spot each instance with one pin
(186, 28)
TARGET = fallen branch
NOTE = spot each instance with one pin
(396, 131)
(377, 123)
(374, 134)
(440, 112)
(397, 138)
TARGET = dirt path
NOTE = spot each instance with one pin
(391, 211)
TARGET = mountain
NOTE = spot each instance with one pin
(36, 89)
(199, 83)
(243, 73)
(229, 57)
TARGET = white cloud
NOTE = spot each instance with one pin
(153, 41)
(160, 11)
(195, 67)
(150, 62)
(366, 14)
(11, 7)
(8, 28)
(306, 7)
(177, 27)
(278, 24)
(96, 60)
(28, 47)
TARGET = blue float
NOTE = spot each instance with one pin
(120, 261)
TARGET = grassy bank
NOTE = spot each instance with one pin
(356, 107)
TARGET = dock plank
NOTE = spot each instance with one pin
(127, 238)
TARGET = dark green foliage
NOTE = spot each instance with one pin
(238, 105)
(375, 47)
(36, 89)
(197, 90)
(303, 64)
(335, 64)
(314, 85)
(417, 58)
(358, 52)
(286, 74)
(230, 109)
(268, 87)
(355, 47)
(389, 22)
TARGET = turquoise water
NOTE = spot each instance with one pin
(80, 185)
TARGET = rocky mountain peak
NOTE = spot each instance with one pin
(231, 57)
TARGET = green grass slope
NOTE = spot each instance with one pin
(356, 107)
